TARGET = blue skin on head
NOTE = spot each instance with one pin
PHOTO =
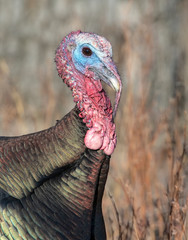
(83, 62)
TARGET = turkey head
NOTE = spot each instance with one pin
(83, 60)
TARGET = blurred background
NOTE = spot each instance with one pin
(146, 192)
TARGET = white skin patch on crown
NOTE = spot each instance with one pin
(102, 46)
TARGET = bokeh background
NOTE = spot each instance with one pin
(146, 192)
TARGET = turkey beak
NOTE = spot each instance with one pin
(111, 77)
(109, 74)
(113, 83)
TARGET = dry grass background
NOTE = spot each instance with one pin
(146, 193)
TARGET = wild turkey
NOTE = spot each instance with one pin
(53, 181)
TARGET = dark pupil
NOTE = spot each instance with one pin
(86, 51)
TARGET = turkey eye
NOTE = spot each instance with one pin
(86, 51)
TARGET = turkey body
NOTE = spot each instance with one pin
(64, 201)
(52, 181)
